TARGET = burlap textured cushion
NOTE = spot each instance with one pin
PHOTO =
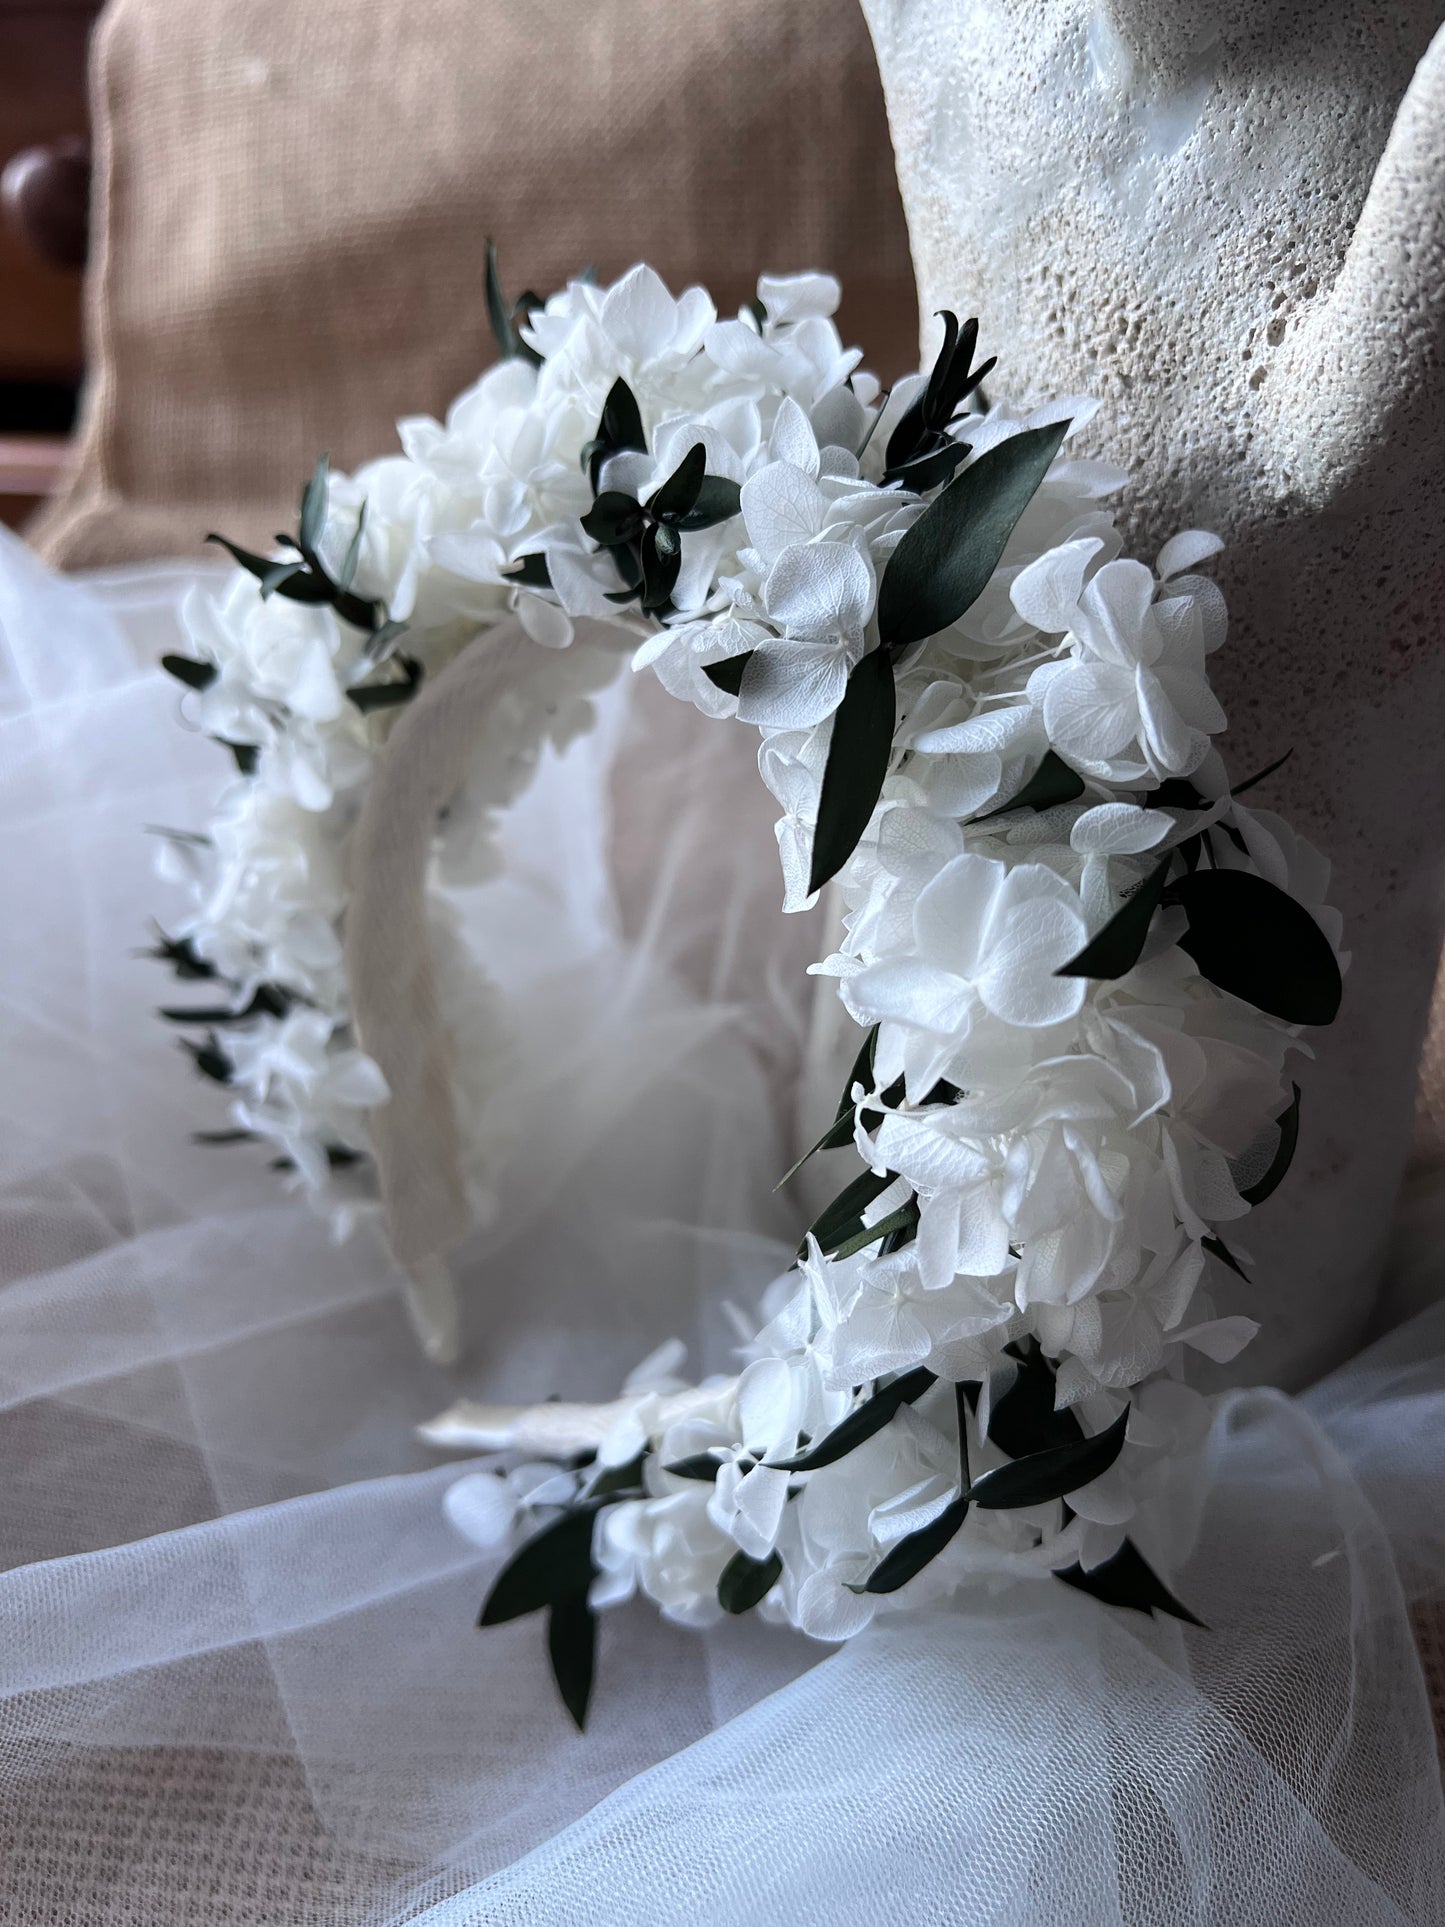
(292, 205)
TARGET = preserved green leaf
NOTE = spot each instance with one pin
(858, 754)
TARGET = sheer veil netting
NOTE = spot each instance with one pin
(240, 1678)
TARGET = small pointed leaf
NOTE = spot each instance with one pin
(1128, 1580)
(498, 313)
(943, 564)
(353, 551)
(840, 1131)
(908, 1558)
(613, 518)
(678, 494)
(728, 674)
(1217, 1248)
(861, 1423)
(701, 1466)
(858, 753)
(718, 500)
(313, 508)
(1052, 783)
(1052, 1474)
(531, 571)
(1118, 946)
(1279, 1164)
(905, 1218)
(843, 1216)
(195, 675)
(572, 1651)
(746, 1582)
(555, 1563)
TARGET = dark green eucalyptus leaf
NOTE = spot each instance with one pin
(281, 573)
(338, 1156)
(1279, 1164)
(254, 564)
(701, 1466)
(1052, 783)
(531, 571)
(746, 1582)
(758, 312)
(954, 378)
(858, 753)
(1023, 1419)
(613, 1479)
(1174, 793)
(661, 565)
(355, 609)
(1248, 937)
(840, 1131)
(861, 1423)
(1053, 1474)
(313, 508)
(572, 1651)
(555, 1563)
(620, 428)
(878, 408)
(925, 472)
(678, 495)
(622, 419)
(382, 639)
(936, 407)
(728, 674)
(718, 500)
(1260, 774)
(971, 384)
(195, 675)
(181, 954)
(209, 1059)
(1117, 947)
(905, 1218)
(907, 437)
(268, 1000)
(245, 755)
(498, 313)
(943, 564)
(1128, 1580)
(842, 1217)
(288, 578)
(388, 695)
(1217, 1248)
(613, 518)
(908, 1558)
(353, 551)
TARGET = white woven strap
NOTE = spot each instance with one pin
(427, 758)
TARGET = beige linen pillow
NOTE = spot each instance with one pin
(293, 202)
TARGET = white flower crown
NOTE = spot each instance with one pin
(1080, 960)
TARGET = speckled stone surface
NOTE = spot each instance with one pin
(1228, 222)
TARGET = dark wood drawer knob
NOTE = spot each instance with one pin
(46, 193)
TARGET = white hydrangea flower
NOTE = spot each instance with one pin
(987, 943)
(1130, 701)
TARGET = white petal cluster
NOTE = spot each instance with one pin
(1058, 1155)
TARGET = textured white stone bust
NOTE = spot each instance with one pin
(1228, 221)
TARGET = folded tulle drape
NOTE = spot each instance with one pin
(240, 1678)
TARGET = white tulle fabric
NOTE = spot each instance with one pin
(239, 1674)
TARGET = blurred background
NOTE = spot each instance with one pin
(45, 146)
(237, 232)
